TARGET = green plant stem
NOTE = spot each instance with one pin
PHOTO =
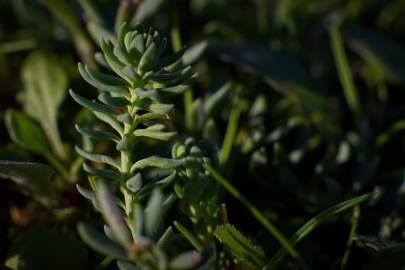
(257, 214)
(352, 233)
(344, 72)
(190, 237)
(230, 132)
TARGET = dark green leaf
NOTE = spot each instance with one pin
(45, 84)
(26, 133)
(35, 177)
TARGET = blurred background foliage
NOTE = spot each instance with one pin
(311, 113)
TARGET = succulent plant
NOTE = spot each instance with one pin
(134, 103)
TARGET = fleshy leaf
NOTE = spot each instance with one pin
(153, 213)
(100, 242)
(186, 260)
(158, 162)
(112, 214)
(92, 105)
(154, 134)
(97, 157)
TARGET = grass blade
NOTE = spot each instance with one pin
(343, 69)
(315, 222)
(190, 237)
(230, 131)
(353, 229)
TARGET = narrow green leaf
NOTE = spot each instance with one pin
(103, 173)
(87, 193)
(100, 243)
(112, 214)
(161, 184)
(154, 134)
(161, 108)
(171, 59)
(115, 64)
(122, 54)
(315, 222)
(215, 101)
(189, 236)
(179, 89)
(164, 241)
(158, 162)
(102, 81)
(107, 99)
(111, 121)
(353, 230)
(130, 74)
(97, 157)
(148, 59)
(148, 117)
(343, 68)
(240, 246)
(164, 77)
(153, 214)
(231, 130)
(92, 105)
(97, 134)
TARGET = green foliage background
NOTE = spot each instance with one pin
(304, 99)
